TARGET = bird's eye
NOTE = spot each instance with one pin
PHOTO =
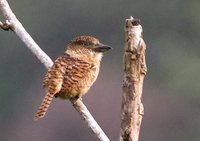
(85, 44)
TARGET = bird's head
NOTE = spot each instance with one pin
(87, 47)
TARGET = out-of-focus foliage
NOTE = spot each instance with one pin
(171, 90)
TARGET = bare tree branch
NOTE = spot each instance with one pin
(134, 73)
(13, 24)
(17, 27)
(82, 109)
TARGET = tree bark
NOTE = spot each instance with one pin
(134, 73)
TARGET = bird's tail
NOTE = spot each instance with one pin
(44, 106)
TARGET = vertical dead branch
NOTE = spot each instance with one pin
(13, 24)
(134, 73)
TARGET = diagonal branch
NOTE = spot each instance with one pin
(13, 24)
(134, 73)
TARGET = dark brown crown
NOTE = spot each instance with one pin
(85, 40)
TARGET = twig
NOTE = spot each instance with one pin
(13, 24)
(5, 26)
(134, 73)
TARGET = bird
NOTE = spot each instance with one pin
(74, 72)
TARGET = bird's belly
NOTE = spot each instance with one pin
(73, 93)
(79, 89)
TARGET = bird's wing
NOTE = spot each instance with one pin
(55, 75)
(66, 72)
(76, 71)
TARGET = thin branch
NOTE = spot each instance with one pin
(134, 73)
(82, 109)
(13, 24)
(17, 27)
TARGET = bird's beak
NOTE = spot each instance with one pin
(102, 48)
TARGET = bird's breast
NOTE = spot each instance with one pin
(78, 83)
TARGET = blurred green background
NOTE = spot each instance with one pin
(171, 90)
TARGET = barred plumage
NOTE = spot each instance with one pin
(44, 106)
(74, 72)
